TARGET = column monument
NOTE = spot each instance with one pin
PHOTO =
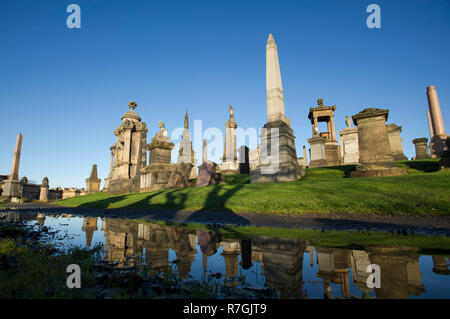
(437, 143)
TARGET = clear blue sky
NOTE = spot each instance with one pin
(66, 89)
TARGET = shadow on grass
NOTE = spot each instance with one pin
(103, 203)
(427, 166)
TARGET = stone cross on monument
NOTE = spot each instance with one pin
(132, 105)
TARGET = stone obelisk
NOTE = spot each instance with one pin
(14, 176)
(278, 157)
(11, 187)
(205, 151)
(437, 143)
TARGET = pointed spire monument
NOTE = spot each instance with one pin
(278, 157)
(274, 88)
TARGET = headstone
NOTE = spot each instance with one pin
(281, 163)
(318, 156)
(375, 154)
(244, 165)
(93, 182)
(395, 141)
(421, 148)
(180, 176)
(128, 154)
(208, 174)
(438, 140)
(445, 155)
(43, 196)
(349, 143)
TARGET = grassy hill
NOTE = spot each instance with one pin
(424, 190)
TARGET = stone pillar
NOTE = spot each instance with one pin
(332, 129)
(437, 143)
(375, 154)
(43, 195)
(230, 164)
(93, 182)
(318, 156)
(421, 148)
(430, 124)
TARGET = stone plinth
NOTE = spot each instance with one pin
(438, 145)
(156, 176)
(208, 174)
(273, 168)
(332, 153)
(421, 148)
(375, 154)
(318, 157)
(349, 145)
(11, 189)
(395, 141)
(43, 195)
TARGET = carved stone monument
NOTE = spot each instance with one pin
(395, 141)
(278, 157)
(318, 157)
(11, 186)
(437, 143)
(156, 175)
(375, 156)
(349, 143)
(180, 175)
(323, 113)
(421, 148)
(93, 182)
(230, 163)
(128, 154)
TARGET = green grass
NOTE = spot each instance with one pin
(323, 190)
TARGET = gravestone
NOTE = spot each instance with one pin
(208, 174)
(244, 164)
(180, 175)
(318, 156)
(349, 143)
(395, 141)
(93, 182)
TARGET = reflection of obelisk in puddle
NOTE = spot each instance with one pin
(11, 187)
(89, 227)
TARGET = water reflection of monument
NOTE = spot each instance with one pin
(128, 242)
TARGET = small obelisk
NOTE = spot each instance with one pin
(274, 87)
(14, 176)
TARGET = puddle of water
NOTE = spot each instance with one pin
(291, 266)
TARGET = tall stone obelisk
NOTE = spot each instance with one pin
(11, 187)
(274, 87)
(437, 143)
(278, 157)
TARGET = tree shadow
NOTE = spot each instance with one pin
(103, 203)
